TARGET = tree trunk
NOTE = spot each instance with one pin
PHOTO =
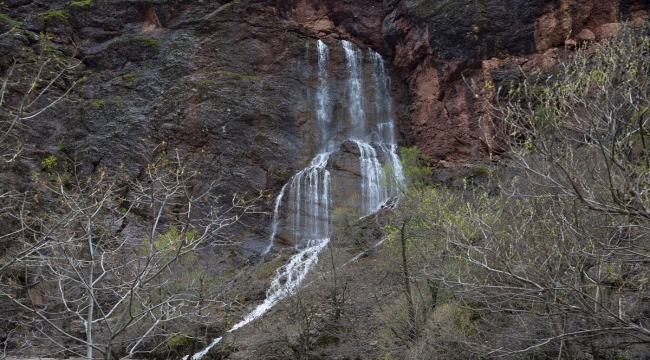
(413, 327)
(91, 295)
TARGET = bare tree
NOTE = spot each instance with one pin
(111, 255)
(583, 131)
(28, 90)
(560, 255)
(99, 263)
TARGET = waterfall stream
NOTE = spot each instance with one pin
(303, 206)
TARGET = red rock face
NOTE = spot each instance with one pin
(441, 48)
(446, 120)
(436, 49)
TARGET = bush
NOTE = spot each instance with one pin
(550, 267)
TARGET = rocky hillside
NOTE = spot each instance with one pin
(230, 78)
(231, 83)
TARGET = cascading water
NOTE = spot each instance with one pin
(396, 180)
(385, 135)
(375, 188)
(373, 192)
(306, 199)
(323, 102)
(309, 197)
(278, 202)
(383, 103)
(309, 189)
(354, 89)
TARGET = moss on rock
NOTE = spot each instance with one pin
(54, 15)
(80, 3)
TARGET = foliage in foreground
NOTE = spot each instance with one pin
(107, 265)
(551, 262)
(101, 263)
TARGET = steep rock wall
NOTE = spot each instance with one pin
(441, 46)
(437, 47)
(225, 81)
(232, 80)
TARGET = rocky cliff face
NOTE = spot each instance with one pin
(227, 81)
(440, 46)
(233, 80)
(437, 47)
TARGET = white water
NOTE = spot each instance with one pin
(373, 192)
(308, 192)
(375, 187)
(286, 282)
(287, 279)
(385, 132)
(354, 89)
(276, 209)
(309, 202)
(323, 101)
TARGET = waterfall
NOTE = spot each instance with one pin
(309, 202)
(373, 192)
(354, 89)
(323, 108)
(396, 180)
(288, 278)
(303, 205)
(309, 188)
(274, 227)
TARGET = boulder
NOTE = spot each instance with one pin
(606, 30)
(570, 44)
(585, 36)
(351, 147)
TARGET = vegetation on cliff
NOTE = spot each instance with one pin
(543, 256)
(98, 263)
(549, 258)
